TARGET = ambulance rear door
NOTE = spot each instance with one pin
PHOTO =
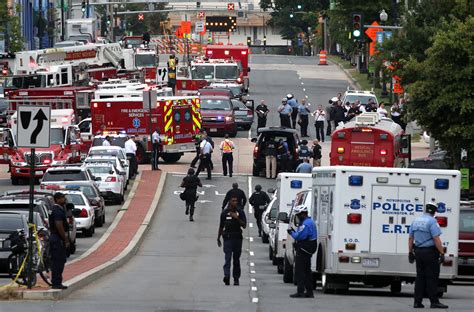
(179, 124)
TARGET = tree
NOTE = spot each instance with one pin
(441, 98)
(11, 27)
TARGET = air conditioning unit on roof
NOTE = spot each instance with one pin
(367, 119)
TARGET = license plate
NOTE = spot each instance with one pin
(183, 147)
(39, 172)
(370, 262)
(213, 129)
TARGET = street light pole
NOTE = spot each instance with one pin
(114, 30)
(63, 29)
(383, 19)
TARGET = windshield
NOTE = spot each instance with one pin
(210, 104)
(25, 82)
(75, 199)
(202, 72)
(10, 223)
(133, 42)
(466, 222)
(100, 170)
(364, 99)
(114, 153)
(114, 141)
(88, 190)
(57, 136)
(236, 91)
(64, 175)
(227, 72)
(145, 60)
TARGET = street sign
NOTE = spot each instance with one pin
(397, 88)
(162, 74)
(201, 14)
(141, 17)
(382, 35)
(230, 6)
(372, 34)
(199, 27)
(33, 126)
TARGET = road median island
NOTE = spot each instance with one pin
(118, 244)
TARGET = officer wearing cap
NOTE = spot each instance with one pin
(426, 248)
(58, 240)
(305, 238)
(259, 201)
(285, 111)
(294, 108)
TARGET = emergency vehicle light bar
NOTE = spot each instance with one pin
(356, 180)
(441, 184)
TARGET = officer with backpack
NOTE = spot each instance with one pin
(259, 201)
(304, 151)
(316, 153)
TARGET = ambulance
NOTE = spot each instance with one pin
(289, 184)
(364, 216)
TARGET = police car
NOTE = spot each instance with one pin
(364, 216)
(83, 212)
(358, 95)
(269, 217)
(113, 151)
(110, 181)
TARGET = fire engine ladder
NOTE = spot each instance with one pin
(112, 57)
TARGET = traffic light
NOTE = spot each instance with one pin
(198, 4)
(264, 41)
(291, 15)
(249, 41)
(83, 7)
(356, 25)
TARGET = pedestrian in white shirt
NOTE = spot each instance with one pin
(319, 119)
(155, 140)
(131, 151)
(382, 111)
(106, 142)
(205, 157)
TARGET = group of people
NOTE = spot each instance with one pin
(293, 113)
(130, 147)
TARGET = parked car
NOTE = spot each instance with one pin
(91, 191)
(114, 151)
(83, 212)
(218, 115)
(65, 173)
(110, 181)
(277, 133)
(9, 223)
(113, 160)
(269, 217)
(243, 115)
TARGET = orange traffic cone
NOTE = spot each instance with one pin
(322, 57)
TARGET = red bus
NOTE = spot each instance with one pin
(368, 140)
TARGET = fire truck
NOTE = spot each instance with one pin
(216, 70)
(178, 119)
(239, 53)
(66, 147)
(141, 59)
(368, 140)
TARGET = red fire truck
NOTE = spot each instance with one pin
(217, 70)
(368, 140)
(239, 53)
(177, 119)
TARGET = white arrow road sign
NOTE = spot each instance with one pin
(204, 201)
(199, 26)
(162, 74)
(208, 185)
(33, 126)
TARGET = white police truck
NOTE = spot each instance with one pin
(363, 219)
(289, 184)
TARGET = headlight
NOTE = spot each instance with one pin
(20, 164)
(229, 118)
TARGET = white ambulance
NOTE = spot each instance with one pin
(289, 184)
(364, 216)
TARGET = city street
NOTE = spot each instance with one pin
(178, 266)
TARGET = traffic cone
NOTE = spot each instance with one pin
(322, 57)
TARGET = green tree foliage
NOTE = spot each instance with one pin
(151, 22)
(442, 98)
(10, 26)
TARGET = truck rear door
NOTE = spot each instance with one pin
(414, 197)
(179, 122)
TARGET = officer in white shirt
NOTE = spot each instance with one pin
(205, 156)
(106, 142)
(155, 137)
(131, 150)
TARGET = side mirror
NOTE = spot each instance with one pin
(111, 172)
(94, 202)
(271, 190)
(97, 179)
(272, 225)
(69, 206)
(253, 140)
(248, 69)
(122, 173)
(283, 217)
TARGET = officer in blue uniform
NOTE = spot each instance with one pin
(58, 240)
(285, 111)
(426, 248)
(294, 109)
(305, 238)
(232, 221)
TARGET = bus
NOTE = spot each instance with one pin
(368, 140)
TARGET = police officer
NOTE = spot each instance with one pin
(130, 151)
(232, 221)
(259, 201)
(205, 158)
(58, 240)
(235, 192)
(197, 142)
(294, 108)
(305, 238)
(285, 113)
(156, 148)
(262, 112)
(106, 141)
(426, 248)
(190, 184)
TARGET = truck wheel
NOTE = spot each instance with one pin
(15, 181)
(396, 287)
(287, 271)
(270, 253)
(141, 155)
(171, 157)
(233, 134)
(89, 232)
(99, 221)
(325, 280)
(280, 266)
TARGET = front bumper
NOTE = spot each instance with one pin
(109, 195)
(84, 223)
(109, 188)
(24, 172)
(179, 148)
(219, 127)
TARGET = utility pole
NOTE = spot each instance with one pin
(63, 30)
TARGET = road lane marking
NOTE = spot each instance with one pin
(254, 300)
(254, 288)
(302, 83)
(251, 224)
(250, 193)
(252, 272)
(251, 253)
(252, 264)
(219, 194)
(304, 89)
(253, 280)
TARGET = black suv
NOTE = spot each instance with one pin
(264, 134)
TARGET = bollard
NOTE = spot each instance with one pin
(322, 57)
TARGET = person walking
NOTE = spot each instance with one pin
(270, 152)
(319, 119)
(305, 238)
(232, 221)
(235, 191)
(190, 184)
(130, 151)
(156, 141)
(227, 146)
(339, 114)
(262, 112)
(382, 111)
(303, 112)
(197, 142)
(285, 113)
(259, 201)
(395, 113)
(210, 140)
(316, 154)
(294, 109)
(304, 151)
(106, 141)
(426, 248)
(205, 158)
(304, 167)
(58, 241)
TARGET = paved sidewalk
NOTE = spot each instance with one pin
(118, 243)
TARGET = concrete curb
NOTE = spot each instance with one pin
(353, 82)
(110, 266)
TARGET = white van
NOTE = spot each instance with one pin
(363, 220)
(289, 184)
